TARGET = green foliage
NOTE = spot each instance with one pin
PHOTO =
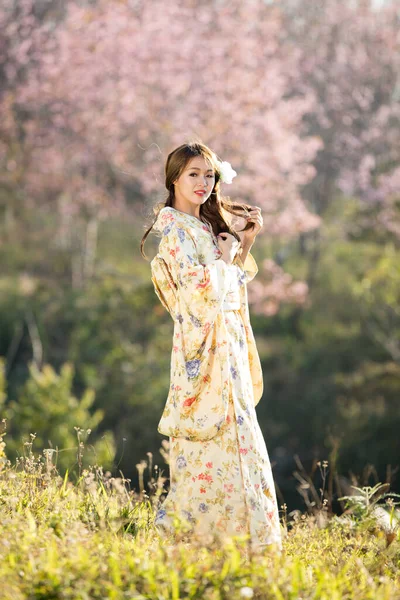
(365, 501)
(48, 412)
(331, 368)
(378, 296)
(112, 330)
(369, 512)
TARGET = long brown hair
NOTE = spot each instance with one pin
(211, 211)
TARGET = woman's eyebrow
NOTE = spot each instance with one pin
(200, 169)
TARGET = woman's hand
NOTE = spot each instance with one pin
(249, 235)
(228, 245)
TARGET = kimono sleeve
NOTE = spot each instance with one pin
(198, 397)
(201, 288)
(249, 267)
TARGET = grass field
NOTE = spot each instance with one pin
(94, 538)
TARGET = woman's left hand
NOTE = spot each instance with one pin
(249, 235)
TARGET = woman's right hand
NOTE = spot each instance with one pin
(228, 245)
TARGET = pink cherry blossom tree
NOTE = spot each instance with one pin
(96, 96)
(351, 62)
(118, 85)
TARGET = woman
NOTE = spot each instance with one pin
(220, 473)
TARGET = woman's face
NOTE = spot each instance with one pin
(198, 176)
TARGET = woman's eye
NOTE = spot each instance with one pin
(196, 174)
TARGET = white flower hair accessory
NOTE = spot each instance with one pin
(226, 171)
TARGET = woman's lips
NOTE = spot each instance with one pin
(200, 193)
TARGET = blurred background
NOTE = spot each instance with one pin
(303, 99)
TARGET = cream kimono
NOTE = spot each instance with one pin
(221, 478)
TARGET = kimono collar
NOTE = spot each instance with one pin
(168, 213)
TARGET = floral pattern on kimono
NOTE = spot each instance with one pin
(192, 282)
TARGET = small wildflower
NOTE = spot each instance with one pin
(246, 592)
(141, 466)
